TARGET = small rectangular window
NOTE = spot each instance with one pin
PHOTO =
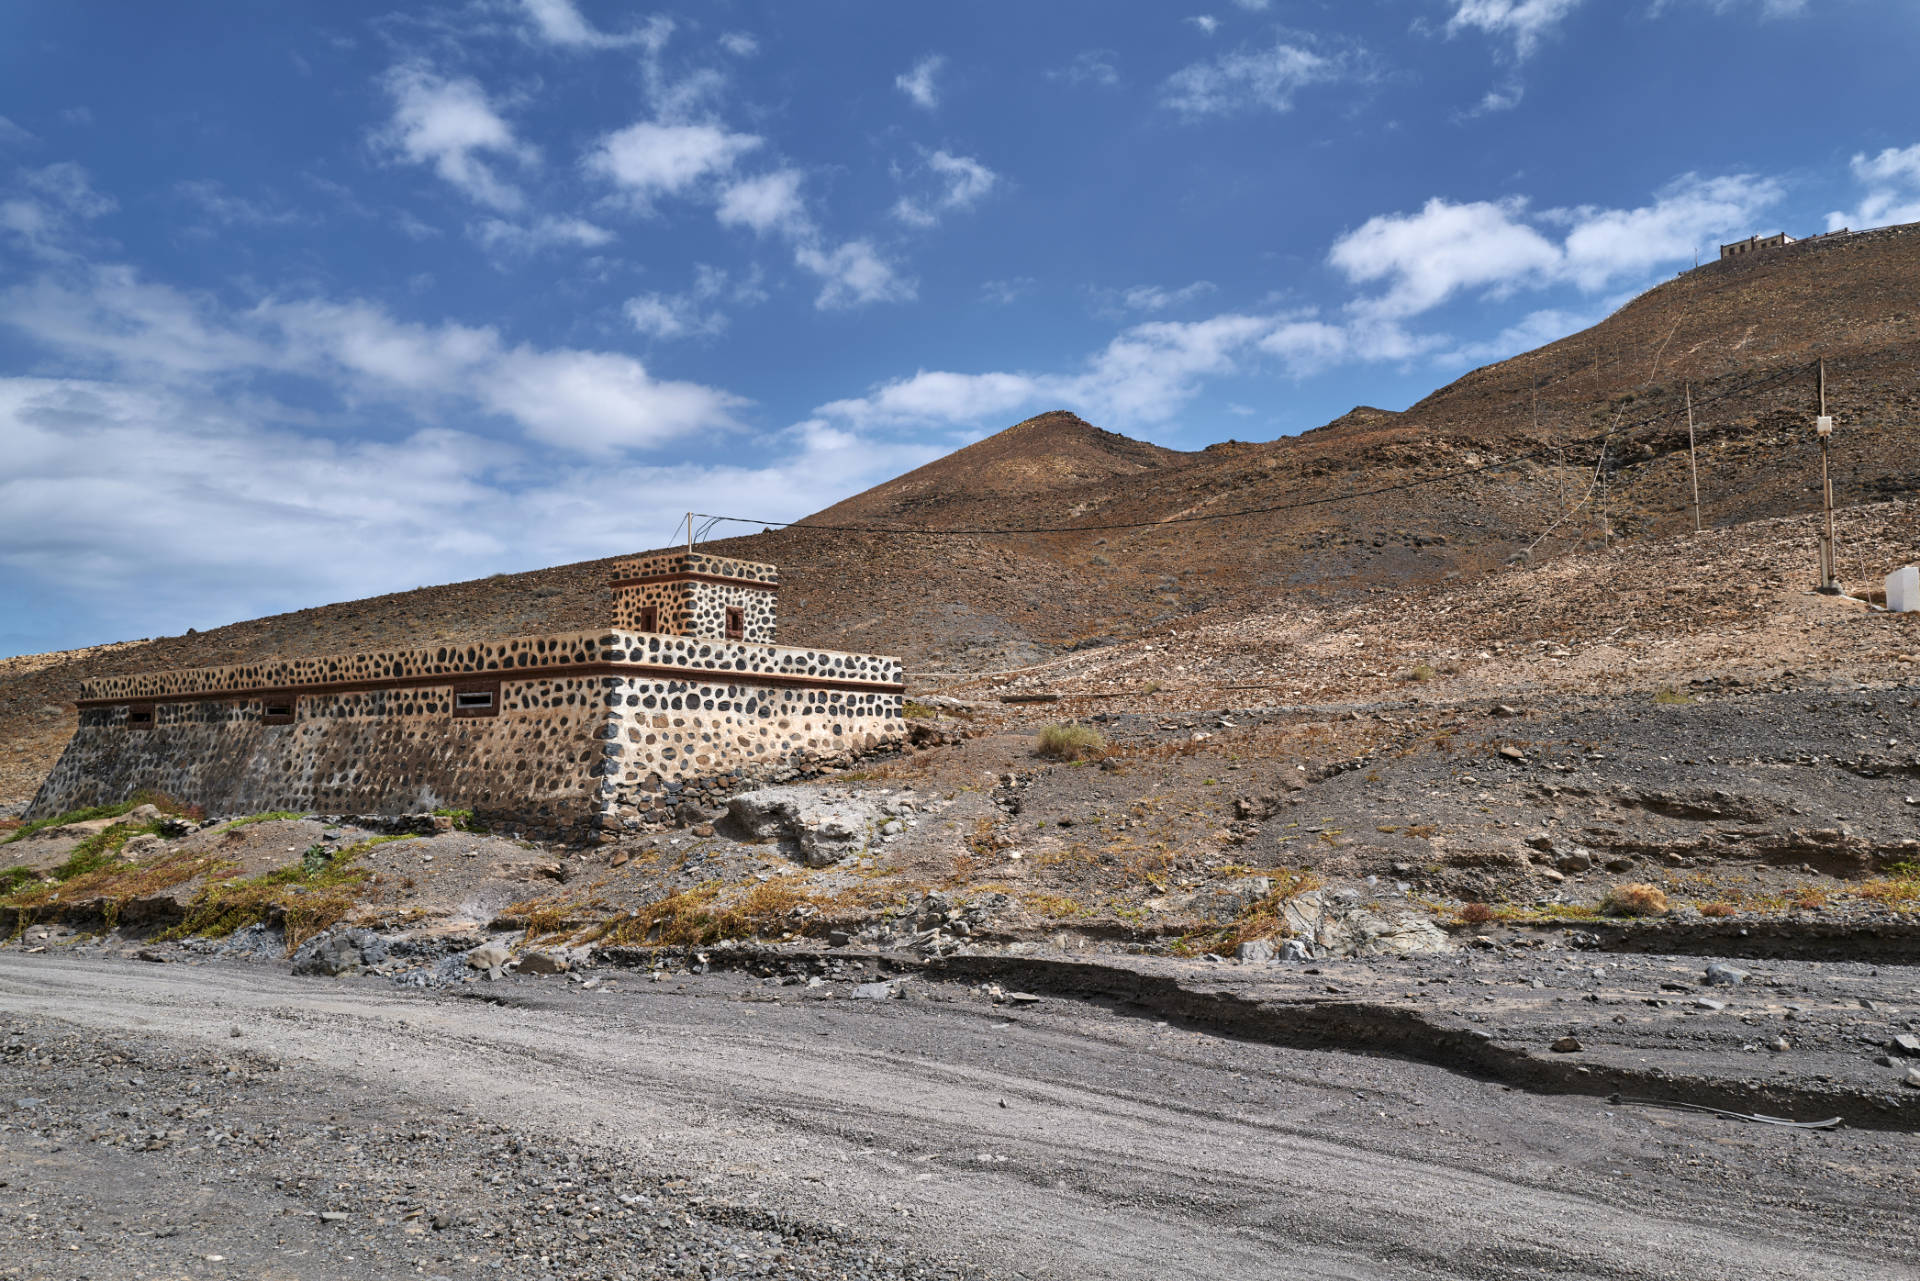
(140, 716)
(476, 698)
(736, 623)
(276, 709)
(649, 618)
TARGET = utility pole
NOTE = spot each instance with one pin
(1693, 460)
(1823, 428)
(689, 533)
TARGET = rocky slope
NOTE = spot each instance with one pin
(1507, 460)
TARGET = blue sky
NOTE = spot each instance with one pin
(303, 302)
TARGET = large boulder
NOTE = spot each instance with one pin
(822, 830)
(1334, 925)
(342, 952)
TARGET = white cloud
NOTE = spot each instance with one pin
(1767, 8)
(1425, 258)
(1892, 179)
(959, 183)
(1503, 98)
(650, 160)
(1090, 67)
(586, 401)
(1525, 22)
(543, 233)
(1157, 297)
(853, 275)
(558, 22)
(67, 185)
(12, 135)
(211, 514)
(1207, 23)
(739, 44)
(448, 123)
(765, 203)
(919, 82)
(693, 314)
(1536, 329)
(43, 213)
(1248, 80)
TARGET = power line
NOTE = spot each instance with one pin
(1296, 505)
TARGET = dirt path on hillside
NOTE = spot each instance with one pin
(1067, 1139)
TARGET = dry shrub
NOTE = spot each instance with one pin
(1476, 914)
(1635, 899)
(1717, 909)
(698, 916)
(1068, 742)
(1265, 918)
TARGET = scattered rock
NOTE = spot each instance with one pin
(489, 956)
(875, 991)
(1906, 1043)
(1513, 754)
(344, 952)
(1258, 952)
(1566, 1045)
(537, 961)
(1720, 974)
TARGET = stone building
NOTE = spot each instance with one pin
(1753, 244)
(558, 735)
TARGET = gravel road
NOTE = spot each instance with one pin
(229, 1120)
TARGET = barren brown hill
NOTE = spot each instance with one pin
(1538, 455)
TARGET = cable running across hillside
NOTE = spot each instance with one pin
(1296, 505)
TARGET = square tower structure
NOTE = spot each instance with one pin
(687, 593)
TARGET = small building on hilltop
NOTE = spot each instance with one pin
(1753, 244)
(561, 736)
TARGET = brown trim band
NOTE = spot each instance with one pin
(698, 675)
(649, 580)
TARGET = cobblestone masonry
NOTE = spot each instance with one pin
(690, 594)
(559, 735)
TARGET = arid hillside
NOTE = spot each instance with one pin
(1551, 452)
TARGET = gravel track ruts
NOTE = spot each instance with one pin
(1115, 1145)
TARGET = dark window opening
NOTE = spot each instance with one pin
(649, 618)
(736, 623)
(276, 709)
(140, 717)
(476, 698)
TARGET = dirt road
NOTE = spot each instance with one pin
(1063, 1139)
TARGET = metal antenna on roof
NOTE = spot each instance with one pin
(689, 533)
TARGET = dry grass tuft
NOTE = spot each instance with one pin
(1717, 909)
(704, 915)
(1067, 742)
(1476, 914)
(307, 898)
(1635, 899)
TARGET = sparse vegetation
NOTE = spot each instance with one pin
(917, 711)
(271, 816)
(306, 898)
(463, 820)
(1064, 741)
(1717, 909)
(1422, 672)
(1635, 899)
(1476, 914)
(1670, 697)
(159, 800)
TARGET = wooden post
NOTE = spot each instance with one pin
(1693, 459)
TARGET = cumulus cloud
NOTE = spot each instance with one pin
(1425, 258)
(218, 510)
(650, 159)
(110, 321)
(42, 213)
(739, 44)
(921, 81)
(12, 135)
(958, 183)
(853, 275)
(1525, 22)
(1206, 22)
(450, 125)
(694, 313)
(541, 234)
(558, 22)
(1249, 80)
(1892, 180)
(768, 202)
